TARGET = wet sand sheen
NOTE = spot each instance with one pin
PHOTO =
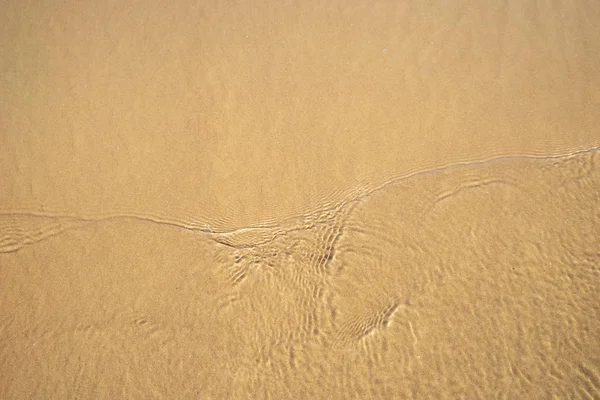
(252, 114)
(9, 241)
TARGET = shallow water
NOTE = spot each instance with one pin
(473, 281)
(353, 200)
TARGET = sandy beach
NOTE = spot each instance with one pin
(283, 200)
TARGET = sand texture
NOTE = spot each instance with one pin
(300, 200)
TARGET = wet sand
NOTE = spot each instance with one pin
(281, 200)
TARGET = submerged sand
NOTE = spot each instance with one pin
(282, 200)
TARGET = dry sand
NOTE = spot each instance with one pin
(294, 200)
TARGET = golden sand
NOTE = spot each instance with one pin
(247, 200)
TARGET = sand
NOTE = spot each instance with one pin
(242, 200)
